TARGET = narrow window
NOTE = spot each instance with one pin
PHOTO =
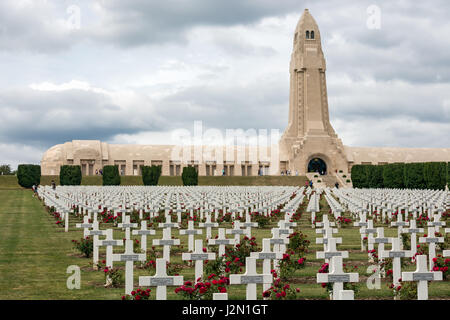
(312, 34)
(307, 34)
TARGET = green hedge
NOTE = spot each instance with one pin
(394, 175)
(111, 176)
(431, 175)
(375, 176)
(28, 174)
(150, 175)
(435, 174)
(70, 175)
(359, 176)
(189, 176)
(448, 174)
(414, 176)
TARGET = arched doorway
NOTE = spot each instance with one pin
(317, 165)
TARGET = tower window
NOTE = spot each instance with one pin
(312, 34)
(307, 34)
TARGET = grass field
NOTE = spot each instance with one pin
(10, 182)
(35, 254)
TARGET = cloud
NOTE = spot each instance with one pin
(51, 114)
(137, 69)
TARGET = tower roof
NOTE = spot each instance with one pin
(307, 23)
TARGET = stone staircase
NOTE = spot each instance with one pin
(328, 180)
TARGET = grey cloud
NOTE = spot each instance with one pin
(137, 22)
(263, 104)
(47, 117)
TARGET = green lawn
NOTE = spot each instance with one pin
(35, 254)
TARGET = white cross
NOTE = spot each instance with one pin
(161, 280)
(396, 254)
(279, 243)
(248, 224)
(413, 230)
(168, 224)
(220, 296)
(436, 223)
(166, 242)
(221, 241)
(237, 231)
(362, 224)
(380, 240)
(198, 256)
(370, 230)
(95, 232)
(431, 240)
(327, 235)
(129, 257)
(127, 225)
(208, 225)
(325, 222)
(109, 243)
(422, 276)
(144, 232)
(85, 225)
(251, 278)
(337, 276)
(267, 255)
(331, 251)
(191, 232)
(399, 224)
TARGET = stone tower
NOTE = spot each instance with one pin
(309, 135)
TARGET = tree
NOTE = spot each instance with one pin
(150, 175)
(414, 176)
(111, 176)
(435, 174)
(5, 169)
(393, 175)
(376, 176)
(70, 175)
(28, 175)
(189, 176)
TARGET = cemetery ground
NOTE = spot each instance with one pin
(35, 254)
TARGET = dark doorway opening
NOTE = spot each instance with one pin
(317, 165)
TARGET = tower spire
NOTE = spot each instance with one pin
(308, 99)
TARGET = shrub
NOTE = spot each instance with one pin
(393, 175)
(189, 176)
(435, 174)
(138, 294)
(113, 277)
(70, 175)
(448, 174)
(375, 176)
(150, 175)
(111, 176)
(414, 176)
(359, 176)
(203, 290)
(298, 242)
(28, 174)
(85, 246)
(281, 290)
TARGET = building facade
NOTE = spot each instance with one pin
(309, 143)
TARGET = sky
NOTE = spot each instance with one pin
(133, 71)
